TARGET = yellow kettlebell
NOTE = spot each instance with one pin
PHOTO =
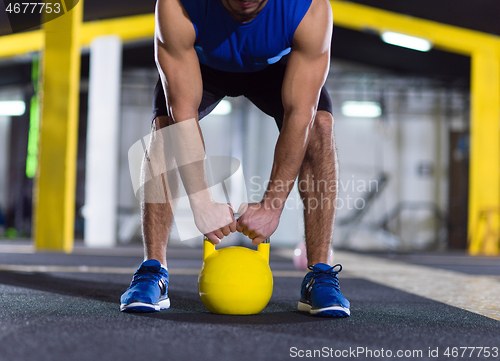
(235, 280)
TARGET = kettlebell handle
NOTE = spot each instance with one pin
(262, 248)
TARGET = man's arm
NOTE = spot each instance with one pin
(177, 61)
(305, 75)
(179, 70)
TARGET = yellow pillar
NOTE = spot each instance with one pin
(54, 201)
(484, 189)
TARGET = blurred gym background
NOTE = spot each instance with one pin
(416, 130)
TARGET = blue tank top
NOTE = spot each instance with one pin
(225, 44)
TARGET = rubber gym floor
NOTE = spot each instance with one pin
(432, 306)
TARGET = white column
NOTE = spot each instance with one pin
(101, 180)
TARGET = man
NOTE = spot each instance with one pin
(276, 53)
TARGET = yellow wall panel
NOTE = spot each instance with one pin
(484, 190)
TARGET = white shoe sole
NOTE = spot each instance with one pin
(332, 311)
(145, 307)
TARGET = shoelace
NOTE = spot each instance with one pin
(325, 278)
(146, 273)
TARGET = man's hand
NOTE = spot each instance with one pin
(257, 221)
(214, 220)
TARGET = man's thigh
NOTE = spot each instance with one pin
(211, 97)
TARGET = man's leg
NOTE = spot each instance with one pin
(156, 217)
(148, 291)
(318, 181)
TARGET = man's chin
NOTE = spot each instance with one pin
(244, 10)
(246, 13)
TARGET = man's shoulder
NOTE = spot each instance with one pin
(173, 22)
(316, 27)
(319, 8)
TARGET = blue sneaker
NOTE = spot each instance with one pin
(320, 293)
(148, 291)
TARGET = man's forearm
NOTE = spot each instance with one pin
(288, 157)
(186, 146)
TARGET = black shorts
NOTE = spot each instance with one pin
(262, 88)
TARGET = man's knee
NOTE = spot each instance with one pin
(323, 125)
(161, 122)
(322, 136)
